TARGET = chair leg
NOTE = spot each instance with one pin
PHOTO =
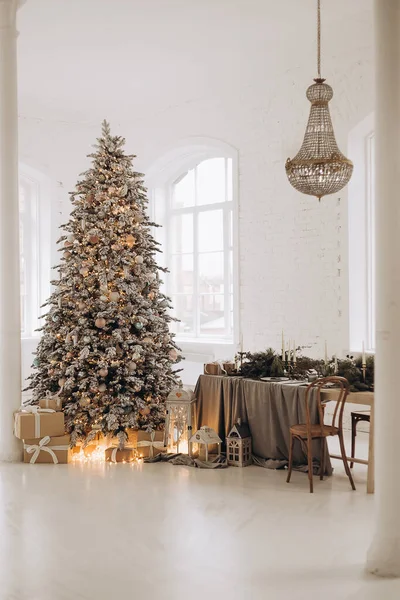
(290, 466)
(322, 459)
(344, 458)
(353, 437)
(310, 465)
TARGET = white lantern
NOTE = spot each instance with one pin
(205, 437)
(178, 425)
(238, 445)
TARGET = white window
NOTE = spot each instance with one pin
(34, 223)
(194, 196)
(361, 203)
(29, 251)
(200, 250)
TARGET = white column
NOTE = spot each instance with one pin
(10, 328)
(384, 554)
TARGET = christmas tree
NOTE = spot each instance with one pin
(106, 349)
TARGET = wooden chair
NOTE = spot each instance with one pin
(308, 432)
(356, 417)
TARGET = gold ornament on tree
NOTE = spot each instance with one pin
(319, 168)
(100, 322)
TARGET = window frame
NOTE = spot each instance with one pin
(160, 176)
(29, 251)
(37, 240)
(361, 238)
(227, 207)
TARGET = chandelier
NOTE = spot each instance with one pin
(319, 168)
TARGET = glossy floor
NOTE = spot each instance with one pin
(163, 532)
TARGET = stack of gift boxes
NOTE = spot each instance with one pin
(42, 430)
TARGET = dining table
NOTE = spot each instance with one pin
(270, 408)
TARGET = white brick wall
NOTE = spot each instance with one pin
(293, 250)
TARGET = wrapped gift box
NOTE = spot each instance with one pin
(48, 449)
(53, 402)
(116, 455)
(150, 444)
(212, 369)
(33, 423)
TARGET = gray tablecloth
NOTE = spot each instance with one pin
(268, 408)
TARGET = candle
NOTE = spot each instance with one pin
(241, 342)
(288, 354)
(363, 355)
(294, 352)
(336, 366)
(326, 352)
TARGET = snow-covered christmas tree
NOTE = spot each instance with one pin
(106, 348)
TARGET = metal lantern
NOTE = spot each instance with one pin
(319, 168)
(238, 445)
(178, 424)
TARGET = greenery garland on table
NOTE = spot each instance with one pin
(269, 364)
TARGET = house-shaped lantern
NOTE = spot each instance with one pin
(238, 445)
(178, 423)
(204, 438)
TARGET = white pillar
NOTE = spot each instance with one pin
(384, 554)
(10, 327)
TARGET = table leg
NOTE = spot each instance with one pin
(371, 453)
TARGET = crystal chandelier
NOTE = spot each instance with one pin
(319, 168)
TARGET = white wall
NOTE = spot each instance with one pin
(244, 84)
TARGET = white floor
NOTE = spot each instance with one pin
(159, 532)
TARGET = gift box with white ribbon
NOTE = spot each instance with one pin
(150, 444)
(48, 449)
(115, 455)
(53, 402)
(32, 422)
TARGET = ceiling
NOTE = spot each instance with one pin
(81, 59)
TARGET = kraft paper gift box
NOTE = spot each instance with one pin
(212, 369)
(53, 402)
(116, 455)
(150, 444)
(48, 449)
(33, 422)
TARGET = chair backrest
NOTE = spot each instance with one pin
(343, 389)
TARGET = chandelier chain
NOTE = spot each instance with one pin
(319, 38)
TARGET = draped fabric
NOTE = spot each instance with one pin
(269, 409)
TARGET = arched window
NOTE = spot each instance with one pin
(362, 237)
(34, 222)
(194, 198)
(200, 249)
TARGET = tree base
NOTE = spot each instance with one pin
(383, 559)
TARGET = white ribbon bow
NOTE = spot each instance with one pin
(35, 449)
(151, 443)
(36, 411)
